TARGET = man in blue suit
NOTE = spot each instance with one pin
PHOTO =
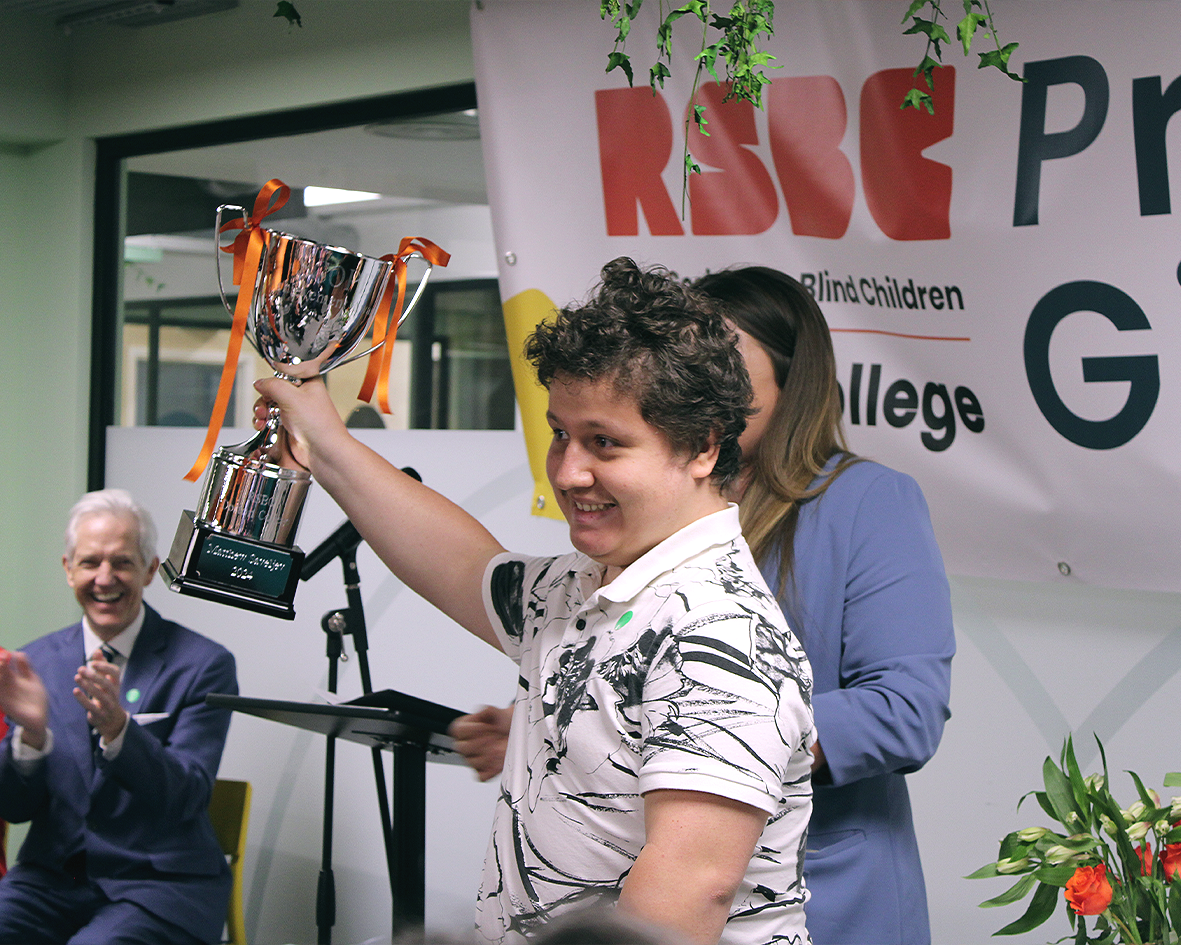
(112, 754)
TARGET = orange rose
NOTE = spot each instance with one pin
(1088, 891)
(1170, 859)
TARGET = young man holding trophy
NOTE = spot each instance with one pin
(660, 758)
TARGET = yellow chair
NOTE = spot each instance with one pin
(229, 809)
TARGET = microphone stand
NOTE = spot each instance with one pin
(343, 543)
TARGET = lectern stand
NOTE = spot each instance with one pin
(416, 732)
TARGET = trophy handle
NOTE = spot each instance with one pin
(217, 252)
(406, 310)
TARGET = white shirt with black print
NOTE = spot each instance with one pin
(680, 674)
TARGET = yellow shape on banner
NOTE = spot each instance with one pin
(522, 313)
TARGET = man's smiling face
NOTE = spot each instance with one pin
(107, 573)
(618, 481)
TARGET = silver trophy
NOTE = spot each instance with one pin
(311, 306)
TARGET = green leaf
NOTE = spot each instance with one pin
(1044, 802)
(966, 29)
(1142, 790)
(1173, 779)
(934, 31)
(1175, 901)
(1041, 907)
(1055, 875)
(1018, 891)
(700, 121)
(999, 59)
(286, 9)
(1059, 793)
(917, 98)
(709, 58)
(619, 60)
(988, 871)
(914, 8)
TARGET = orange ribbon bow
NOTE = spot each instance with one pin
(247, 249)
(378, 372)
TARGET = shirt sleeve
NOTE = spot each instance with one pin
(726, 710)
(26, 756)
(504, 592)
(896, 640)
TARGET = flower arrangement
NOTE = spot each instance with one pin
(1120, 865)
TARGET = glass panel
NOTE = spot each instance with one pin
(422, 177)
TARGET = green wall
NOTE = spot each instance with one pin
(58, 93)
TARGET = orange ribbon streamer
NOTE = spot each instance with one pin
(247, 249)
(385, 322)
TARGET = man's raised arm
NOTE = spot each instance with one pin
(436, 548)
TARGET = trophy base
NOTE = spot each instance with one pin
(231, 569)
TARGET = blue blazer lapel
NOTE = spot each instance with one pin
(145, 663)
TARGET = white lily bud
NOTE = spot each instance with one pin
(1032, 834)
(1138, 831)
(1009, 865)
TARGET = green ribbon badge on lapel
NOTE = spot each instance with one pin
(133, 695)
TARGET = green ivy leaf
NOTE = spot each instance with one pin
(658, 74)
(966, 29)
(914, 8)
(999, 59)
(917, 98)
(700, 121)
(286, 10)
(619, 60)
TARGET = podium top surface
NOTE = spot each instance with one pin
(396, 720)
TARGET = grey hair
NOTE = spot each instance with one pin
(113, 502)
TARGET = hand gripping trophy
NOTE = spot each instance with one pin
(304, 306)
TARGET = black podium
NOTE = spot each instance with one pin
(415, 730)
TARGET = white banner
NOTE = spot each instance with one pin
(1001, 278)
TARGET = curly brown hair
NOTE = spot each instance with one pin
(665, 345)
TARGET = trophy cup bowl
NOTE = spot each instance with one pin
(311, 306)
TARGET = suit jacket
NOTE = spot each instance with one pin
(141, 818)
(872, 607)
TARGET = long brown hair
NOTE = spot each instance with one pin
(804, 431)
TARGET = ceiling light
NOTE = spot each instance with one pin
(320, 196)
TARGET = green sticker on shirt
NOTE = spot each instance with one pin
(133, 695)
(623, 620)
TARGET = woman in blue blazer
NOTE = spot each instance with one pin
(847, 546)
